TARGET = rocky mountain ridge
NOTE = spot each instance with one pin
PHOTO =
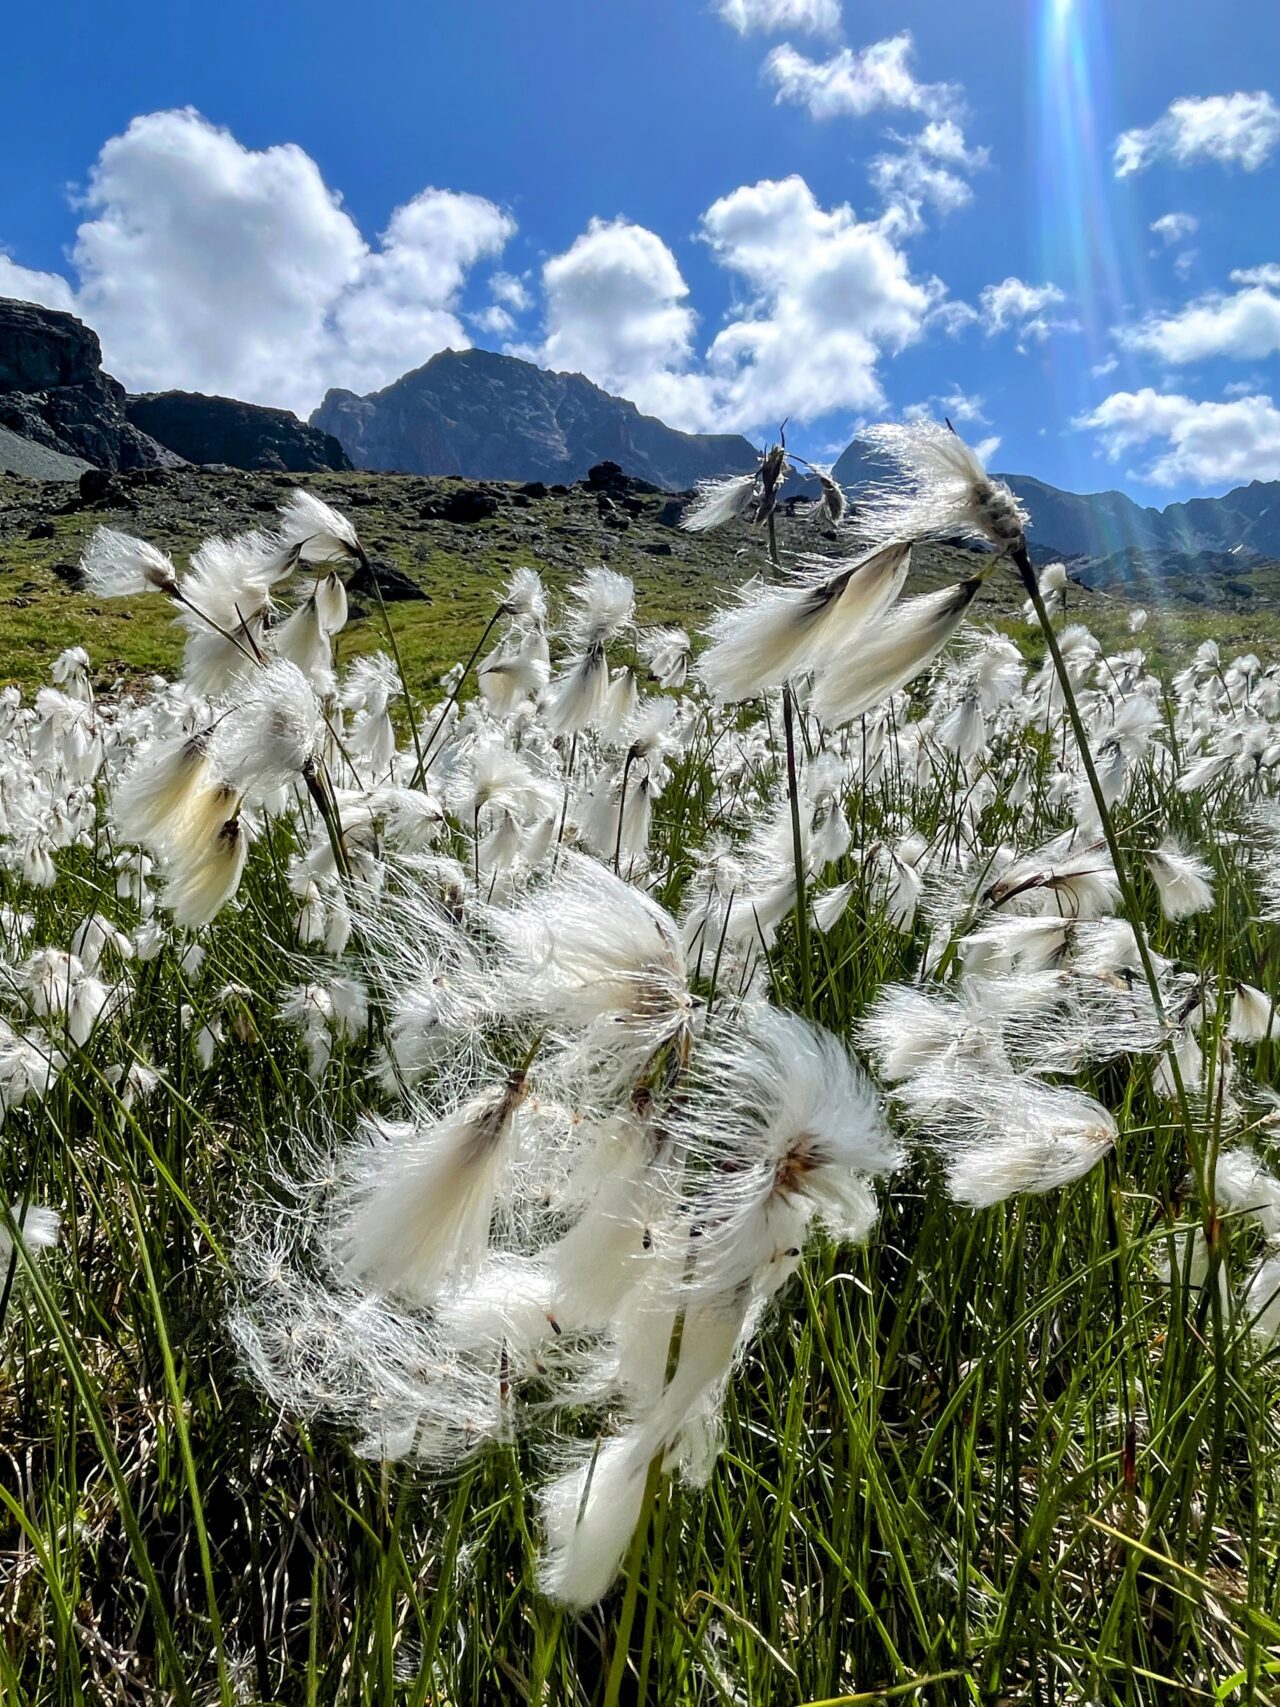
(250, 436)
(494, 417)
(486, 416)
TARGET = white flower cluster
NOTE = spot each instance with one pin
(594, 1140)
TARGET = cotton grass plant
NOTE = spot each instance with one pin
(737, 1169)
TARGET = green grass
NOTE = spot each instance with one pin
(985, 1458)
(460, 569)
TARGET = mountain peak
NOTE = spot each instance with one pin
(490, 416)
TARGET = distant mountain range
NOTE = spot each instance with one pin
(493, 417)
(486, 416)
(1102, 528)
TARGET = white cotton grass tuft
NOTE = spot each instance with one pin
(1262, 1300)
(37, 1228)
(939, 487)
(833, 500)
(269, 732)
(784, 1126)
(1005, 1135)
(161, 792)
(719, 502)
(315, 532)
(589, 1514)
(116, 565)
(202, 878)
(1182, 880)
(413, 1213)
(1243, 1185)
(1253, 1015)
(591, 952)
(774, 631)
(902, 645)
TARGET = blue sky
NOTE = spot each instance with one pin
(1054, 219)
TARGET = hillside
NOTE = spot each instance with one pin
(492, 417)
(441, 577)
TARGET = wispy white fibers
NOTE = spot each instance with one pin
(667, 652)
(200, 883)
(38, 1229)
(1181, 879)
(115, 565)
(782, 1126)
(417, 1200)
(1262, 1300)
(940, 486)
(1243, 1185)
(903, 644)
(718, 502)
(162, 794)
(1011, 1134)
(1253, 1015)
(590, 952)
(589, 1513)
(1068, 876)
(315, 532)
(268, 733)
(322, 1349)
(604, 603)
(774, 631)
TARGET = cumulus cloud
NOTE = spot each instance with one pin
(1206, 443)
(210, 266)
(1243, 325)
(50, 290)
(1233, 130)
(928, 170)
(1025, 309)
(616, 308)
(1175, 227)
(853, 83)
(772, 17)
(823, 296)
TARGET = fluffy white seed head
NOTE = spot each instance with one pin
(116, 565)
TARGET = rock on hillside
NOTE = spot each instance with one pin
(493, 417)
(238, 435)
(54, 393)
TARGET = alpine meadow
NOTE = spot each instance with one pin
(720, 1166)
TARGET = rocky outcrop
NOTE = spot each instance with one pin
(237, 435)
(54, 393)
(492, 417)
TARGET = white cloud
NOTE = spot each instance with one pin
(987, 448)
(1183, 263)
(495, 320)
(1244, 325)
(1014, 305)
(830, 293)
(1101, 369)
(1207, 444)
(616, 309)
(852, 84)
(928, 170)
(1175, 227)
(772, 17)
(510, 291)
(50, 290)
(1234, 130)
(825, 294)
(1268, 275)
(954, 405)
(208, 266)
